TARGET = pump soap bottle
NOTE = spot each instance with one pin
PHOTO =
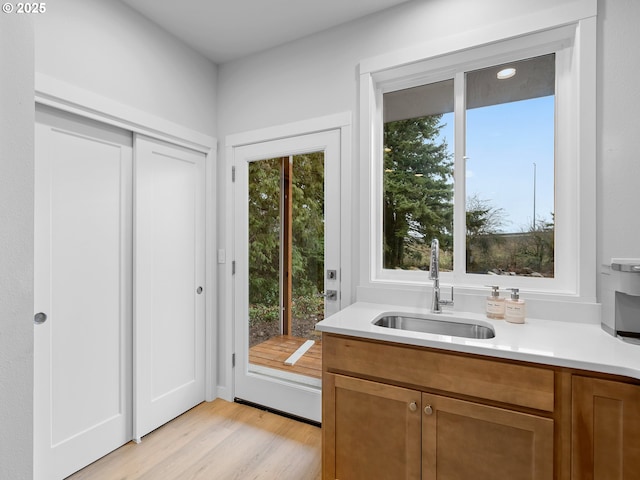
(515, 308)
(495, 304)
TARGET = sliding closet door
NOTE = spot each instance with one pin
(83, 301)
(169, 282)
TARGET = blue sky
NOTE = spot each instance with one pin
(503, 143)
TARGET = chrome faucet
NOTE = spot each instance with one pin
(434, 274)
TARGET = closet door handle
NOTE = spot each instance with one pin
(39, 318)
(199, 290)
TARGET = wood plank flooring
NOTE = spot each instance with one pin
(217, 441)
(273, 352)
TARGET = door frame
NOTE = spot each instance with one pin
(341, 122)
(70, 98)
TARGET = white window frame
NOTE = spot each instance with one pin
(575, 246)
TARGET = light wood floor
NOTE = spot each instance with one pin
(217, 441)
(273, 352)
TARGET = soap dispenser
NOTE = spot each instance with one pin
(514, 307)
(495, 304)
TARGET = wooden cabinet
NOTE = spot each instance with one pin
(605, 429)
(462, 439)
(511, 383)
(372, 431)
(393, 411)
(376, 426)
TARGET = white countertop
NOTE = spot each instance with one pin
(565, 344)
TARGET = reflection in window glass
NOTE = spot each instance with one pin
(418, 176)
(510, 169)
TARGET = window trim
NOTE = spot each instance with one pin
(574, 45)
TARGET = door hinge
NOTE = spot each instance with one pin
(233, 174)
(233, 360)
(233, 267)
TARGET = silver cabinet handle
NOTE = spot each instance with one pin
(413, 406)
(199, 290)
(428, 410)
(39, 318)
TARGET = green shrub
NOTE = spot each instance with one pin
(302, 307)
(260, 313)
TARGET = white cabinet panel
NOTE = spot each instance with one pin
(122, 349)
(83, 256)
(169, 269)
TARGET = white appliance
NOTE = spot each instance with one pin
(621, 298)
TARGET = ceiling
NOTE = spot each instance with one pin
(224, 30)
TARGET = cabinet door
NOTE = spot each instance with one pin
(605, 429)
(169, 282)
(463, 440)
(370, 430)
(82, 252)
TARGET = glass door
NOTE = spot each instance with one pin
(287, 253)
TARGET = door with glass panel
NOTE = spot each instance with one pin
(287, 254)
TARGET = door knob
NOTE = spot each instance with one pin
(329, 294)
(39, 318)
(199, 290)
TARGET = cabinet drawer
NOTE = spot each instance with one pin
(522, 385)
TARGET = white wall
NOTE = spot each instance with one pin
(618, 129)
(318, 76)
(16, 247)
(107, 48)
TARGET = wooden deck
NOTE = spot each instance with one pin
(273, 352)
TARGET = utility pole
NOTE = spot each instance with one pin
(534, 196)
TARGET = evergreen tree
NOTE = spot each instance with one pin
(418, 187)
(308, 224)
(265, 224)
(264, 232)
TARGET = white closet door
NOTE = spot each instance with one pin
(83, 283)
(169, 276)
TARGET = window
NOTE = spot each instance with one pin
(509, 170)
(483, 150)
(510, 165)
